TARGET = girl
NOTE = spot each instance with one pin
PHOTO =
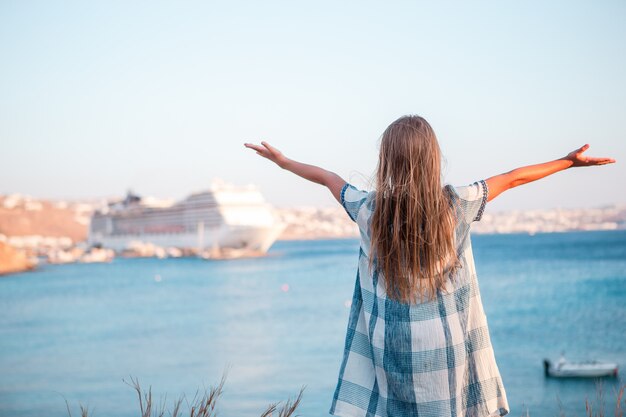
(417, 342)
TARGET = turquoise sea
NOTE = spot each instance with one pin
(77, 332)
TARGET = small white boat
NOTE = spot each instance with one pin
(584, 369)
(98, 255)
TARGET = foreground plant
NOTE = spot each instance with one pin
(596, 408)
(202, 405)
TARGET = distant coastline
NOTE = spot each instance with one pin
(33, 226)
(314, 223)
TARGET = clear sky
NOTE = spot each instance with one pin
(99, 97)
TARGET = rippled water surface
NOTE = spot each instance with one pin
(278, 323)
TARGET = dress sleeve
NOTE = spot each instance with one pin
(352, 200)
(472, 200)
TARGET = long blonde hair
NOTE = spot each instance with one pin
(413, 224)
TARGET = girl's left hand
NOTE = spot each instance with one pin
(579, 160)
(269, 152)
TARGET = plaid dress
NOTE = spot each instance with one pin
(430, 359)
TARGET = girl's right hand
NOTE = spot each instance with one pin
(579, 160)
(309, 172)
(269, 152)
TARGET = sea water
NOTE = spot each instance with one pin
(273, 325)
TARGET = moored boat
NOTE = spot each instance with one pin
(583, 369)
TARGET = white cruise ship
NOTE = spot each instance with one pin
(224, 218)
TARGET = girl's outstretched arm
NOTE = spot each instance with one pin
(524, 175)
(309, 172)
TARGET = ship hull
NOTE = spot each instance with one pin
(248, 238)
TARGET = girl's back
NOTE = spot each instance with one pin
(430, 358)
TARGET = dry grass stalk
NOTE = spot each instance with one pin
(598, 405)
(561, 410)
(286, 410)
(145, 400)
(84, 411)
(176, 409)
(289, 408)
(205, 406)
(619, 412)
(269, 411)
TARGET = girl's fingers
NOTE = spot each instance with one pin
(269, 147)
(255, 147)
(259, 150)
(266, 150)
(580, 150)
(599, 161)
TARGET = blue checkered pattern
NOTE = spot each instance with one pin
(431, 359)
